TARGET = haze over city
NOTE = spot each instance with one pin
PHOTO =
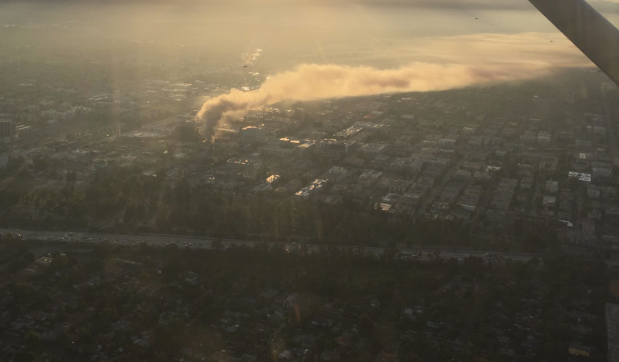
(309, 181)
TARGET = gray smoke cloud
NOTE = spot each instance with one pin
(481, 59)
(313, 81)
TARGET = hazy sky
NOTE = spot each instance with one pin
(309, 48)
(381, 33)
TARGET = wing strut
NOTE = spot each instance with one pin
(595, 36)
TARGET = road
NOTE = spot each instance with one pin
(207, 243)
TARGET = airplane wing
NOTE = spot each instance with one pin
(595, 36)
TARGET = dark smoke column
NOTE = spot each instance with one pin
(587, 29)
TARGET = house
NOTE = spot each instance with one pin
(602, 174)
(397, 165)
(336, 173)
(4, 160)
(304, 341)
(594, 214)
(143, 342)
(399, 186)
(413, 167)
(304, 150)
(583, 144)
(391, 199)
(285, 356)
(576, 349)
(552, 187)
(544, 138)
(371, 150)
(528, 137)
(526, 183)
(290, 301)
(447, 143)
(462, 175)
(582, 177)
(413, 196)
(593, 192)
(609, 193)
(504, 193)
(328, 356)
(248, 358)
(269, 294)
(549, 203)
(470, 129)
(280, 298)
(468, 203)
(222, 356)
(347, 133)
(268, 184)
(381, 162)
(473, 166)
(313, 188)
(369, 177)
(548, 164)
(389, 354)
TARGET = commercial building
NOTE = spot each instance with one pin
(268, 184)
(8, 131)
(336, 173)
(369, 177)
(313, 188)
(251, 134)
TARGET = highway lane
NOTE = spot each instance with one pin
(161, 240)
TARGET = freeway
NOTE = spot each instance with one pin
(207, 243)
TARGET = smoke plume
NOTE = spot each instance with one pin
(311, 82)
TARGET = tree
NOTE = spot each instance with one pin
(71, 176)
(40, 163)
(169, 338)
(366, 326)
(32, 340)
(59, 261)
(25, 356)
(83, 335)
(217, 244)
